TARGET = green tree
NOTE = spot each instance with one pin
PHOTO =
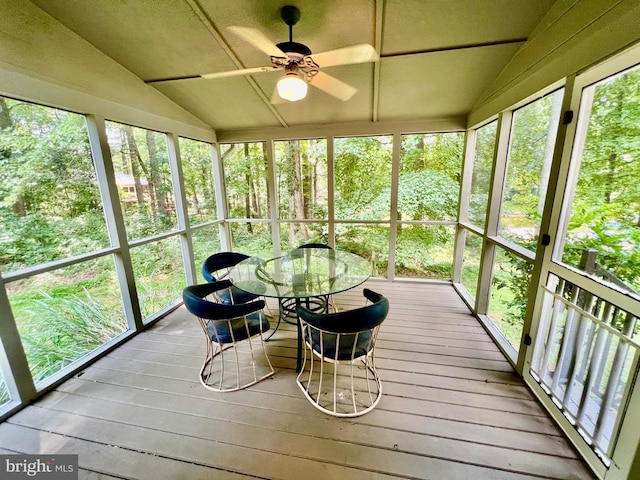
(50, 205)
(606, 205)
(362, 173)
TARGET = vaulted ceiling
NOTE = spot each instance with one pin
(437, 57)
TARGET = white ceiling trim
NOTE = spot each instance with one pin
(376, 66)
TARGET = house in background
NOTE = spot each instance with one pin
(455, 66)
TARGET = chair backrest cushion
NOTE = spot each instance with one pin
(350, 321)
(219, 261)
(222, 318)
(354, 328)
(315, 245)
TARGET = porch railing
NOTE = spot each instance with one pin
(586, 359)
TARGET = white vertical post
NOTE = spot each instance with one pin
(13, 359)
(493, 214)
(182, 212)
(222, 207)
(331, 191)
(548, 226)
(273, 196)
(464, 197)
(115, 221)
(393, 211)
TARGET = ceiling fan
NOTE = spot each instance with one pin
(301, 67)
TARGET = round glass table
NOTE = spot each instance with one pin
(301, 274)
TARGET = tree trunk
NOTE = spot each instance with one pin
(134, 156)
(6, 122)
(420, 160)
(19, 207)
(155, 179)
(611, 175)
(296, 201)
(306, 183)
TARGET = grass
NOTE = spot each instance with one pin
(57, 331)
(4, 393)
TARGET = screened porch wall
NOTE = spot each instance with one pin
(586, 33)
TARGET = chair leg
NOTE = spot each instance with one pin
(216, 375)
(364, 385)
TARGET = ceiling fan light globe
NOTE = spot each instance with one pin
(291, 87)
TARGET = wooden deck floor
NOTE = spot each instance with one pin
(452, 409)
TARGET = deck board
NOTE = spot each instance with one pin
(453, 408)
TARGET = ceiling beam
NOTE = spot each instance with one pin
(208, 23)
(455, 47)
(377, 44)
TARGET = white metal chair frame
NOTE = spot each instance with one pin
(324, 363)
(229, 372)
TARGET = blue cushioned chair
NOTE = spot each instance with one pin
(234, 338)
(338, 374)
(217, 266)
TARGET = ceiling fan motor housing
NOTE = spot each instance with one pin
(290, 15)
(294, 47)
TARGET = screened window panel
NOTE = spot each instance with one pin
(603, 230)
(301, 176)
(533, 136)
(50, 204)
(245, 170)
(206, 242)
(64, 314)
(368, 241)
(471, 262)
(143, 177)
(481, 175)
(252, 238)
(363, 178)
(293, 234)
(509, 289)
(429, 182)
(424, 251)
(197, 168)
(159, 272)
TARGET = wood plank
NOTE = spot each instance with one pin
(297, 444)
(109, 459)
(452, 408)
(254, 450)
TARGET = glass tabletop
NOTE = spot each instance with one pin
(304, 272)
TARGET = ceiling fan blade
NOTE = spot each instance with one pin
(258, 40)
(360, 53)
(333, 86)
(235, 73)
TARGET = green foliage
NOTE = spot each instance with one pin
(605, 213)
(362, 176)
(58, 331)
(514, 276)
(50, 204)
(245, 167)
(370, 242)
(427, 194)
(481, 175)
(198, 179)
(425, 252)
(4, 392)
